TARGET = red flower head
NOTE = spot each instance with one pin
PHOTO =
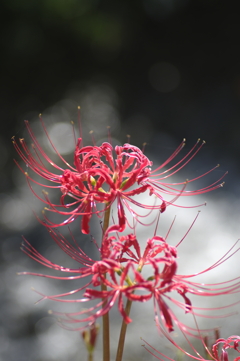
(160, 285)
(101, 175)
(231, 342)
(121, 270)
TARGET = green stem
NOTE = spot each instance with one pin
(105, 318)
(90, 356)
(123, 333)
(106, 220)
(105, 324)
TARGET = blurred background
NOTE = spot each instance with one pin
(158, 70)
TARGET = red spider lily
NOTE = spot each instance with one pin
(121, 271)
(160, 285)
(231, 342)
(102, 175)
(217, 354)
(112, 253)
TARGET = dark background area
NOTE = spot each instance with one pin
(47, 45)
(174, 66)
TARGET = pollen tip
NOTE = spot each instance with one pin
(108, 127)
(145, 143)
(46, 208)
(198, 139)
(222, 184)
(218, 165)
(91, 132)
(44, 192)
(79, 107)
(204, 141)
(184, 139)
(72, 122)
(50, 311)
(26, 174)
(32, 288)
(40, 114)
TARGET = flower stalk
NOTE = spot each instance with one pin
(123, 331)
(105, 317)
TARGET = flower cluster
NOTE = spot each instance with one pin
(120, 269)
(124, 271)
